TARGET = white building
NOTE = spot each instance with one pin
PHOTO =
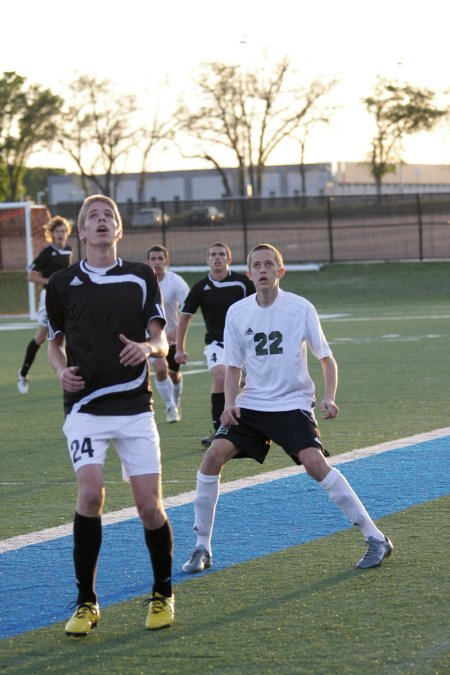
(200, 184)
(345, 178)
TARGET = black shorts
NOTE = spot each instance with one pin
(170, 358)
(293, 430)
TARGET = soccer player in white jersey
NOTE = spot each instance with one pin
(54, 257)
(174, 289)
(105, 320)
(269, 334)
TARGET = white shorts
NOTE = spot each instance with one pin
(42, 311)
(135, 438)
(214, 354)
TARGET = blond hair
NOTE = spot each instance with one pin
(98, 198)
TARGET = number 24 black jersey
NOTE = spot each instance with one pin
(91, 309)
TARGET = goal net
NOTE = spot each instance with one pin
(21, 239)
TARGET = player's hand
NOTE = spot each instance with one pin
(329, 409)
(70, 380)
(230, 416)
(133, 353)
(171, 336)
(181, 356)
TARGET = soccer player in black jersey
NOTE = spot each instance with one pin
(214, 294)
(56, 256)
(105, 320)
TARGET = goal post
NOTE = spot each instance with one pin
(21, 238)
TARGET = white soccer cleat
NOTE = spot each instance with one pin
(22, 384)
(172, 415)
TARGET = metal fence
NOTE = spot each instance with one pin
(310, 229)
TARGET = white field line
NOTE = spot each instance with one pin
(323, 317)
(49, 534)
(350, 318)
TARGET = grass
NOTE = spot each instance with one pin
(335, 286)
(305, 609)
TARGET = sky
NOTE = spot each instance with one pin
(139, 44)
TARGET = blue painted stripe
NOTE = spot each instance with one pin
(38, 582)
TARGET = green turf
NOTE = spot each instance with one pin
(342, 285)
(302, 610)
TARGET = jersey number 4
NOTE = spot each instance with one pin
(77, 449)
(268, 344)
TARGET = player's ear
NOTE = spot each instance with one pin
(281, 272)
(81, 234)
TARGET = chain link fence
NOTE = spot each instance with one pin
(310, 229)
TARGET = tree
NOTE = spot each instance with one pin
(3, 182)
(399, 110)
(29, 120)
(35, 182)
(317, 115)
(98, 132)
(249, 114)
(153, 133)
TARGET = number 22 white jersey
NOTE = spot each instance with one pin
(271, 342)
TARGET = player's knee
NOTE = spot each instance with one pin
(215, 457)
(218, 378)
(314, 462)
(151, 514)
(90, 501)
(161, 371)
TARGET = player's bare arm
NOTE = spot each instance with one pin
(330, 376)
(67, 375)
(36, 278)
(231, 412)
(135, 353)
(181, 355)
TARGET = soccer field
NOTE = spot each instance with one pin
(294, 605)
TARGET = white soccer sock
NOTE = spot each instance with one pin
(177, 391)
(206, 497)
(165, 390)
(342, 494)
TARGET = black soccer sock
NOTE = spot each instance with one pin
(87, 535)
(30, 355)
(217, 406)
(160, 545)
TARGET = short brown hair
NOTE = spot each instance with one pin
(219, 243)
(52, 224)
(158, 248)
(98, 198)
(266, 247)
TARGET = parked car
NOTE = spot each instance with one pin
(205, 215)
(148, 217)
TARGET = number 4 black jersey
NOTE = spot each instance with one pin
(214, 298)
(91, 308)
